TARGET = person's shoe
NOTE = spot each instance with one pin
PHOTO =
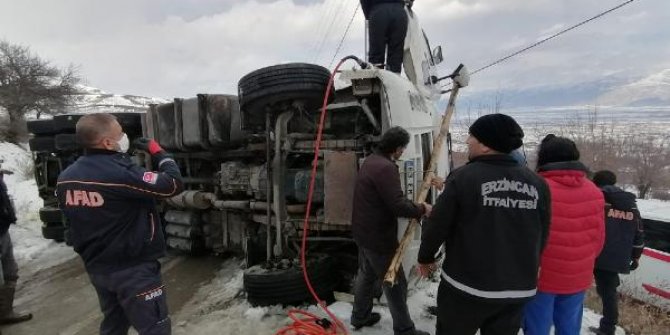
(7, 314)
(420, 332)
(371, 321)
(599, 331)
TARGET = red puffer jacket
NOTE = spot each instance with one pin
(577, 230)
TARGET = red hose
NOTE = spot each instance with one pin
(311, 324)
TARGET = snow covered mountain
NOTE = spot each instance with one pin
(91, 99)
(653, 90)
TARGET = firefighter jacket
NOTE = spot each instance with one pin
(493, 218)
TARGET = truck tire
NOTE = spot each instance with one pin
(54, 232)
(51, 215)
(42, 144)
(271, 287)
(42, 127)
(67, 142)
(265, 88)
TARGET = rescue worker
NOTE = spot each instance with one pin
(624, 243)
(387, 29)
(378, 202)
(9, 269)
(110, 204)
(493, 218)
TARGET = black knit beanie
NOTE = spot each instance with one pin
(498, 131)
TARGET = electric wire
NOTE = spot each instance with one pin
(344, 36)
(328, 30)
(551, 37)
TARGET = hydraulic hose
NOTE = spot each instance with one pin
(305, 323)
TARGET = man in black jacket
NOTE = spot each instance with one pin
(624, 243)
(493, 218)
(9, 270)
(110, 204)
(378, 202)
(387, 29)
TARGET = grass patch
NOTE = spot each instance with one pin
(635, 317)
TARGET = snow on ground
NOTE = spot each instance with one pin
(31, 250)
(654, 209)
(220, 307)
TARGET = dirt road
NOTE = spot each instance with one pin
(63, 301)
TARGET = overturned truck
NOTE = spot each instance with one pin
(246, 160)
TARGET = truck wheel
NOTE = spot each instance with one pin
(51, 215)
(42, 144)
(67, 142)
(42, 127)
(267, 87)
(267, 287)
(55, 232)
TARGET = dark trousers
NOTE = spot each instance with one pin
(606, 284)
(133, 296)
(372, 267)
(388, 27)
(9, 270)
(461, 314)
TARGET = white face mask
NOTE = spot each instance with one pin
(124, 144)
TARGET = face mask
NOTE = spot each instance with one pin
(123, 143)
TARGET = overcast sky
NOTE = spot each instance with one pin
(177, 48)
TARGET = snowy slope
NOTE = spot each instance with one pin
(91, 99)
(32, 251)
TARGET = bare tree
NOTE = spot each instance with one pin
(31, 84)
(649, 162)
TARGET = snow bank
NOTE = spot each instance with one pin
(654, 209)
(32, 251)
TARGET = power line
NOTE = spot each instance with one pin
(326, 10)
(344, 36)
(551, 37)
(339, 7)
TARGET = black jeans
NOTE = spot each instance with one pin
(372, 267)
(388, 27)
(606, 284)
(133, 296)
(461, 314)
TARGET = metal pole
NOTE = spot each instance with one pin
(367, 36)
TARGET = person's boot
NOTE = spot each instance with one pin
(371, 321)
(7, 314)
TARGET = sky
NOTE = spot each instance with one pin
(178, 48)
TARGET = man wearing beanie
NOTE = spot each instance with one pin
(493, 218)
(624, 243)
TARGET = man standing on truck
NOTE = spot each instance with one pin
(378, 202)
(387, 21)
(110, 205)
(8, 269)
(624, 243)
(493, 218)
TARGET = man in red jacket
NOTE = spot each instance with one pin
(378, 203)
(576, 236)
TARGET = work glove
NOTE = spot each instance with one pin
(147, 145)
(634, 264)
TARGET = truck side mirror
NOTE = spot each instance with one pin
(437, 55)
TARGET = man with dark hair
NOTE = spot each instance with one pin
(387, 29)
(8, 269)
(624, 243)
(378, 203)
(110, 204)
(493, 218)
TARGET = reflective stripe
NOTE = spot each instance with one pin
(165, 160)
(488, 294)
